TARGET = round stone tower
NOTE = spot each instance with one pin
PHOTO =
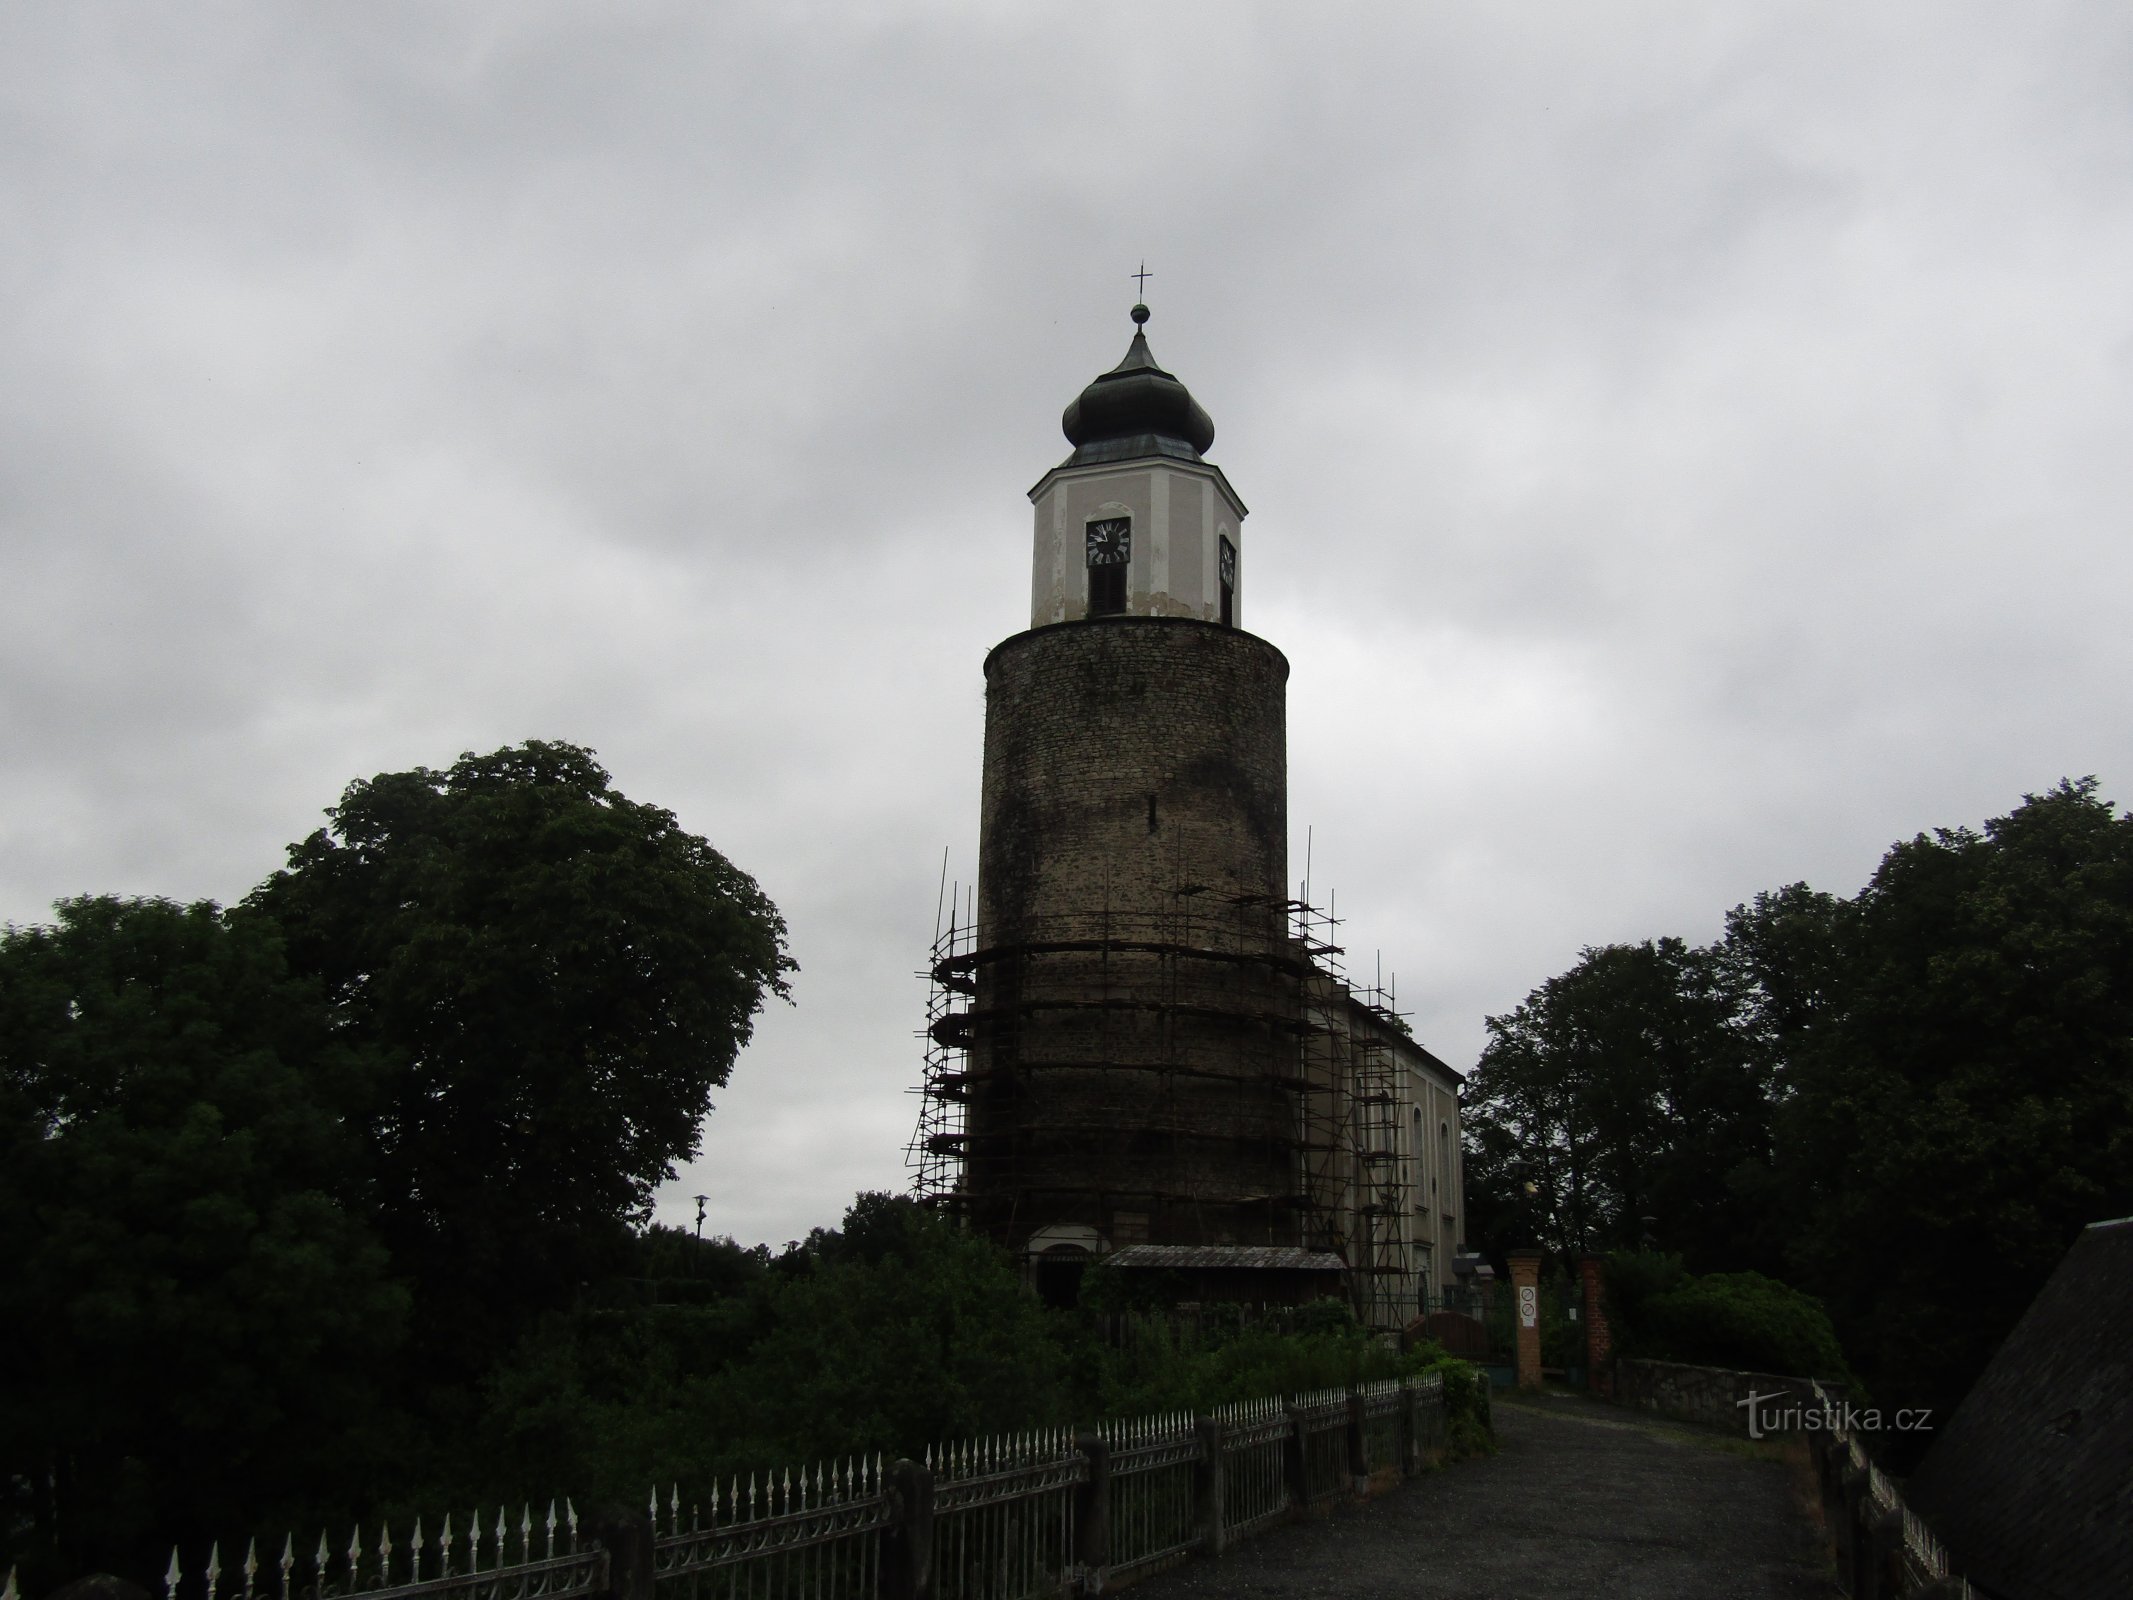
(1134, 994)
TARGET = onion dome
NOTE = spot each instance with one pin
(1136, 409)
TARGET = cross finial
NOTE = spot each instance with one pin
(1142, 277)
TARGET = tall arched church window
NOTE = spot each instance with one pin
(1226, 572)
(1110, 554)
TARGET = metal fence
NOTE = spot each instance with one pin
(1883, 1549)
(1042, 1513)
(818, 1534)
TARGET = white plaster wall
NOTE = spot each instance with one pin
(1178, 510)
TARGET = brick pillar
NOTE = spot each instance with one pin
(1599, 1338)
(1525, 1316)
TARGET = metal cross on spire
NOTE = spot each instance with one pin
(1142, 276)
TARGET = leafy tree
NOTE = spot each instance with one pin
(1969, 1107)
(1623, 1090)
(194, 1315)
(895, 1332)
(559, 976)
(1910, 1101)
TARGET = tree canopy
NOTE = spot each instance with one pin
(280, 1185)
(192, 1296)
(1624, 1090)
(558, 976)
(1907, 1103)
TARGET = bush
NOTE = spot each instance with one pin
(1748, 1321)
(1469, 1429)
(1741, 1320)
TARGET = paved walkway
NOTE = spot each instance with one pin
(1580, 1500)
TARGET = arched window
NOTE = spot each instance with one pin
(1226, 575)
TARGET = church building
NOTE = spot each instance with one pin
(1142, 1046)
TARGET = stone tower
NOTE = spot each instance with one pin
(1143, 1049)
(1129, 1014)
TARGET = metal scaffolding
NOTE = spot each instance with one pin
(1205, 1073)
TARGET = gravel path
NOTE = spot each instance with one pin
(1581, 1499)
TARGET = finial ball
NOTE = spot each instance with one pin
(1140, 314)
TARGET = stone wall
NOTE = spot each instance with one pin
(1715, 1396)
(1135, 993)
(1125, 760)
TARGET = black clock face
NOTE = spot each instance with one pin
(1110, 542)
(1226, 564)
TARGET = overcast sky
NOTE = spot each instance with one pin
(1688, 445)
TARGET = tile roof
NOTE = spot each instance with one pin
(2030, 1484)
(1250, 1257)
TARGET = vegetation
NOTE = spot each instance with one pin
(334, 1205)
(281, 1185)
(1658, 1309)
(1907, 1103)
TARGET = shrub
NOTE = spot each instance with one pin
(1743, 1320)
(1469, 1428)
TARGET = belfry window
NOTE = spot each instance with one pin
(1226, 571)
(1110, 554)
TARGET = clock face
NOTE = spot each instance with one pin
(1226, 564)
(1110, 542)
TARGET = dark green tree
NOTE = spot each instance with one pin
(559, 977)
(1623, 1090)
(1968, 1106)
(894, 1332)
(195, 1317)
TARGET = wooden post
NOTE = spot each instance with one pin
(907, 1556)
(1092, 1513)
(1208, 1486)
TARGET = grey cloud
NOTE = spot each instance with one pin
(1685, 445)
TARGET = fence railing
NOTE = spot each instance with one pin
(1041, 1513)
(1884, 1552)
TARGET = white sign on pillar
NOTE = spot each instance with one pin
(1528, 1306)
